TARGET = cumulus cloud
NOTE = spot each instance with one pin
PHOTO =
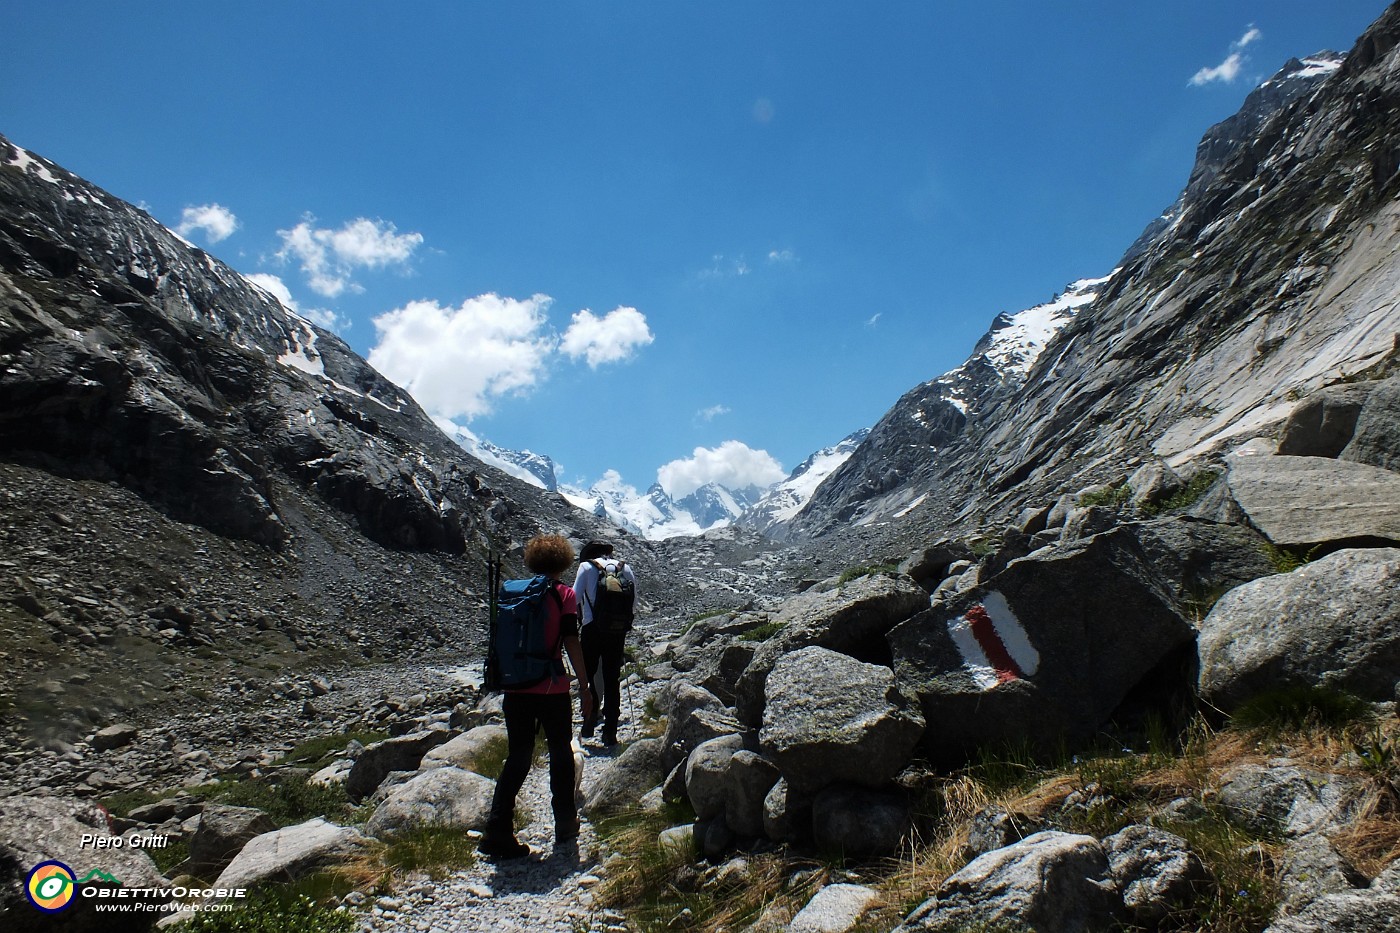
(329, 257)
(733, 464)
(278, 289)
(217, 222)
(1228, 70)
(614, 336)
(455, 361)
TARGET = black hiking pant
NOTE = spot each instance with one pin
(553, 712)
(604, 650)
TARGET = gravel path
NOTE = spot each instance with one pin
(547, 892)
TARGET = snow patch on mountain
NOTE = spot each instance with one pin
(785, 499)
(535, 469)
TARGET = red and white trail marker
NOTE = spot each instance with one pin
(994, 646)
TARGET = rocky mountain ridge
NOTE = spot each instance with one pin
(1275, 277)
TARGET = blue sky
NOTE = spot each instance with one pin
(752, 222)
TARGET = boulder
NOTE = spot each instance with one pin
(1152, 483)
(624, 782)
(786, 817)
(1199, 560)
(1312, 867)
(748, 781)
(707, 775)
(836, 908)
(678, 842)
(402, 753)
(1050, 882)
(223, 831)
(445, 796)
(114, 737)
(851, 619)
(720, 670)
(930, 565)
(993, 828)
(1322, 424)
(860, 822)
(34, 830)
(1281, 796)
(1334, 623)
(1049, 648)
(1376, 439)
(829, 718)
(1306, 502)
(1368, 909)
(466, 750)
(686, 733)
(291, 853)
(1156, 872)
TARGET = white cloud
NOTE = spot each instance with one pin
(607, 339)
(455, 361)
(711, 413)
(874, 319)
(733, 464)
(1228, 70)
(781, 256)
(274, 286)
(217, 222)
(330, 257)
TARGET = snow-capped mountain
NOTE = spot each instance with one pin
(933, 415)
(785, 499)
(535, 469)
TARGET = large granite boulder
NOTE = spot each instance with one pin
(1322, 424)
(445, 796)
(34, 830)
(1050, 647)
(1198, 560)
(1157, 873)
(1369, 909)
(851, 619)
(860, 822)
(291, 853)
(624, 782)
(467, 749)
(694, 715)
(1334, 623)
(223, 831)
(1050, 882)
(1306, 502)
(1281, 796)
(401, 753)
(836, 908)
(829, 719)
(1376, 439)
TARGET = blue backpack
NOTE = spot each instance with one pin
(517, 653)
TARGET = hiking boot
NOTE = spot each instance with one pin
(500, 848)
(609, 737)
(499, 842)
(566, 831)
(586, 732)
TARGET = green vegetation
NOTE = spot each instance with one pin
(1112, 497)
(273, 910)
(1288, 559)
(322, 750)
(1290, 709)
(287, 800)
(763, 632)
(1185, 497)
(436, 850)
(854, 573)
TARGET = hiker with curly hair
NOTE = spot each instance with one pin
(546, 705)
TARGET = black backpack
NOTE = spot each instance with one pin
(517, 652)
(613, 600)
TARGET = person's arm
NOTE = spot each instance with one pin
(575, 653)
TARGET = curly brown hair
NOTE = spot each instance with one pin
(550, 555)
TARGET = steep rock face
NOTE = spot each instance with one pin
(1275, 276)
(785, 499)
(880, 477)
(189, 466)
